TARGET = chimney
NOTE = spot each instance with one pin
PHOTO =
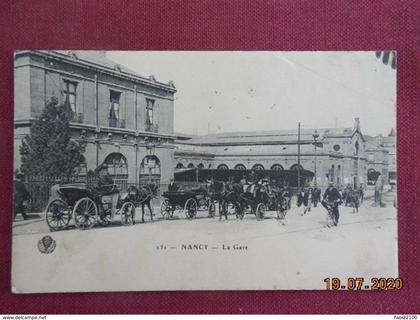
(357, 123)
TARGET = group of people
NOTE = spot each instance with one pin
(306, 197)
(331, 199)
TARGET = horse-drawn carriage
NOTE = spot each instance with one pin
(257, 202)
(189, 202)
(88, 207)
(237, 199)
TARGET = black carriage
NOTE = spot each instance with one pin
(189, 202)
(239, 202)
(88, 207)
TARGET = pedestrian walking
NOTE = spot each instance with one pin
(20, 196)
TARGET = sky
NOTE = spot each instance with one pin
(267, 90)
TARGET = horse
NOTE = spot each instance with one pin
(225, 193)
(215, 191)
(143, 195)
(279, 201)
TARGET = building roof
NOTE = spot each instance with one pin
(374, 143)
(99, 59)
(256, 137)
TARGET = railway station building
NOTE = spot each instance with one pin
(340, 153)
(124, 120)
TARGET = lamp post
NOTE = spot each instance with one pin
(315, 136)
(298, 167)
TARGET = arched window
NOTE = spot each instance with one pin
(257, 167)
(179, 166)
(277, 167)
(240, 166)
(190, 166)
(372, 176)
(338, 175)
(222, 167)
(296, 167)
(150, 170)
(117, 165)
(200, 166)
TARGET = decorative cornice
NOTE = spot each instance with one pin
(97, 67)
(93, 128)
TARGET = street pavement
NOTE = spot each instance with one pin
(296, 254)
(36, 223)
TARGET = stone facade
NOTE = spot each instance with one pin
(381, 154)
(124, 119)
(340, 153)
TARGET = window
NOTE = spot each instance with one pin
(296, 167)
(150, 170)
(117, 165)
(338, 175)
(222, 167)
(190, 166)
(337, 147)
(200, 166)
(277, 167)
(179, 166)
(70, 88)
(114, 110)
(258, 167)
(240, 167)
(149, 114)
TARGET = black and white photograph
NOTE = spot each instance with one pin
(203, 170)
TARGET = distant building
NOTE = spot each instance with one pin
(340, 152)
(124, 119)
(381, 154)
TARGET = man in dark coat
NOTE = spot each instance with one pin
(21, 195)
(173, 186)
(332, 197)
(316, 196)
(106, 187)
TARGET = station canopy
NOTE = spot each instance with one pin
(285, 177)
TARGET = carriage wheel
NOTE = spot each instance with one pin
(165, 209)
(58, 215)
(128, 212)
(105, 218)
(211, 209)
(85, 213)
(260, 211)
(190, 208)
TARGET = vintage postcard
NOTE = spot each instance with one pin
(199, 170)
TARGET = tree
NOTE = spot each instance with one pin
(49, 148)
(388, 58)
